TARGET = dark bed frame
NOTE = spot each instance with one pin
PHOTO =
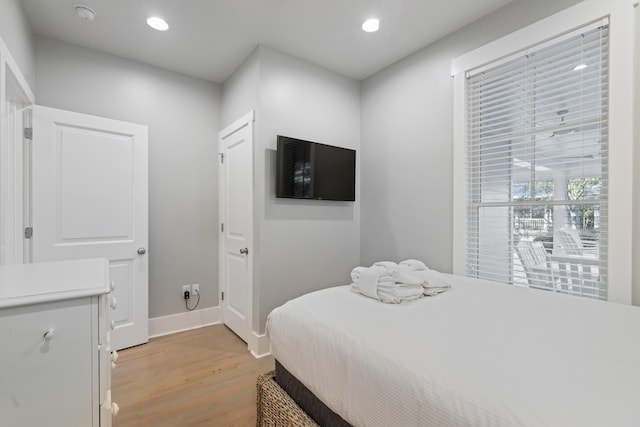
(284, 401)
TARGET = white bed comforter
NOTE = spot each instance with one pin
(481, 354)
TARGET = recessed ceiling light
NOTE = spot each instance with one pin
(580, 67)
(158, 23)
(85, 12)
(371, 25)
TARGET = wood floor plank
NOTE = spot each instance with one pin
(203, 377)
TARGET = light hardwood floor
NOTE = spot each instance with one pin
(203, 377)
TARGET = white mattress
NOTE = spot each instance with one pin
(481, 354)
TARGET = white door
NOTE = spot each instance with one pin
(235, 145)
(89, 192)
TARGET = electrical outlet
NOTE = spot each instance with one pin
(185, 289)
(195, 289)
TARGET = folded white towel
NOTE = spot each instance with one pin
(412, 265)
(434, 291)
(399, 295)
(397, 283)
(377, 282)
(392, 294)
(386, 286)
(432, 279)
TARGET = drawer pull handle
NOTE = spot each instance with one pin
(113, 285)
(113, 366)
(113, 325)
(114, 303)
(49, 334)
(115, 409)
(114, 356)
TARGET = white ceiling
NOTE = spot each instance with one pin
(210, 38)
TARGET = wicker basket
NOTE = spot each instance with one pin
(276, 408)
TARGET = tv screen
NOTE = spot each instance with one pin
(308, 170)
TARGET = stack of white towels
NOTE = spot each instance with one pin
(397, 283)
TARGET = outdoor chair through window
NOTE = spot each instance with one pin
(536, 264)
(573, 275)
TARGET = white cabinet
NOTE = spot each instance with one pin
(55, 360)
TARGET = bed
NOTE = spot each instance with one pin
(481, 354)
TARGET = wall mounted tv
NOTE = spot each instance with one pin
(308, 170)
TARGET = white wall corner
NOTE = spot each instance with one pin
(259, 345)
(165, 325)
(10, 63)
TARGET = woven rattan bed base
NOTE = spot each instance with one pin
(276, 408)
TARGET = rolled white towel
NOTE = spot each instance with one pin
(412, 265)
(407, 278)
(367, 280)
(390, 266)
(393, 273)
(356, 274)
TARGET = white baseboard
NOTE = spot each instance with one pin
(259, 345)
(165, 325)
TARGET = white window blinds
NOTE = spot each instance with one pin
(537, 144)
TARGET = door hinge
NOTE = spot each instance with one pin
(28, 133)
(222, 227)
(28, 232)
(221, 157)
(222, 296)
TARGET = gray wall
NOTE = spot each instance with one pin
(301, 245)
(182, 115)
(407, 142)
(16, 34)
(305, 245)
(241, 91)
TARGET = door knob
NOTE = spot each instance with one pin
(142, 251)
(244, 251)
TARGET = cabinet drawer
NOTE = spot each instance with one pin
(48, 380)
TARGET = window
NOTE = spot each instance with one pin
(537, 165)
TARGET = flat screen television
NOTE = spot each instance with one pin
(309, 170)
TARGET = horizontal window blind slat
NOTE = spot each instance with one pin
(522, 132)
(574, 84)
(542, 71)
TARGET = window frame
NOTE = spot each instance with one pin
(621, 15)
